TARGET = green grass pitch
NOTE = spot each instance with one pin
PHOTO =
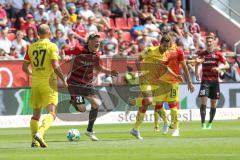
(220, 143)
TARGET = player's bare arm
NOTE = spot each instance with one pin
(221, 68)
(25, 67)
(185, 69)
(58, 71)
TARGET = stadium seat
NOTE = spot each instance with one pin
(112, 24)
(130, 22)
(121, 23)
(11, 36)
(127, 36)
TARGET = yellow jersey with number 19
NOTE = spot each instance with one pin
(41, 54)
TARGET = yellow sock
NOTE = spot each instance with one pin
(174, 117)
(139, 119)
(46, 123)
(34, 126)
(163, 115)
(156, 117)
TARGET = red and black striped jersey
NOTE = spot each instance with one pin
(211, 60)
(84, 64)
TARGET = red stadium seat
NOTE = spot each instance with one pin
(11, 36)
(130, 22)
(127, 36)
(112, 24)
(121, 23)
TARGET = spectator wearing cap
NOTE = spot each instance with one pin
(136, 28)
(66, 25)
(20, 44)
(80, 28)
(31, 36)
(3, 16)
(175, 11)
(29, 23)
(54, 13)
(40, 14)
(85, 12)
(22, 15)
(5, 43)
(110, 44)
(91, 27)
(193, 26)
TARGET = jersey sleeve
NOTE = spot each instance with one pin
(54, 52)
(222, 59)
(180, 55)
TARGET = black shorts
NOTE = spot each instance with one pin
(210, 89)
(78, 92)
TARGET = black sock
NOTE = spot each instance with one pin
(203, 113)
(212, 114)
(92, 117)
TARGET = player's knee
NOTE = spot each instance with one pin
(36, 118)
(80, 108)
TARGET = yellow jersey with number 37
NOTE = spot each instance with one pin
(41, 54)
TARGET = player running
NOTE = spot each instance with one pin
(43, 57)
(210, 79)
(85, 65)
(165, 90)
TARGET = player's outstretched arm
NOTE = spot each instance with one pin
(58, 71)
(186, 72)
(106, 71)
(25, 67)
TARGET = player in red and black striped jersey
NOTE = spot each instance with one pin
(211, 60)
(80, 82)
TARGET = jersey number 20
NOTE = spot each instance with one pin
(39, 57)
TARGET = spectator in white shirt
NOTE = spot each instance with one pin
(54, 13)
(85, 12)
(91, 27)
(5, 44)
(20, 44)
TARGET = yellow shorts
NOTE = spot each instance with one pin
(42, 95)
(166, 93)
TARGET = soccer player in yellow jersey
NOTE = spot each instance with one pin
(43, 58)
(165, 90)
(153, 68)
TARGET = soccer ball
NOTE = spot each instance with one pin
(73, 135)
